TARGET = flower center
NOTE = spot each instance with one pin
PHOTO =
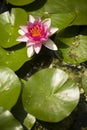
(35, 31)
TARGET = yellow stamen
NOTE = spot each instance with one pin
(35, 31)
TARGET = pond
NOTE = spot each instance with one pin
(43, 65)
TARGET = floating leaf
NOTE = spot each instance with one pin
(72, 45)
(62, 20)
(9, 87)
(50, 95)
(51, 7)
(84, 81)
(9, 25)
(7, 121)
(13, 58)
(20, 2)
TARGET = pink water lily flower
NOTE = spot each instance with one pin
(35, 34)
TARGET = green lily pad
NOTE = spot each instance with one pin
(13, 58)
(20, 2)
(50, 95)
(9, 88)
(51, 7)
(79, 7)
(7, 121)
(62, 20)
(84, 82)
(72, 45)
(9, 25)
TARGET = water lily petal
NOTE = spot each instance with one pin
(31, 19)
(21, 32)
(37, 47)
(24, 28)
(50, 45)
(22, 39)
(47, 22)
(53, 30)
(30, 43)
(30, 51)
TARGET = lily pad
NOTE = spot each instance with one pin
(7, 121)
(51, 7)
(9, 25)
(84, 82)
(20, 2)
(13, 58)
(9, 87)
(50, 95)
(73, 46)
(62, 20)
